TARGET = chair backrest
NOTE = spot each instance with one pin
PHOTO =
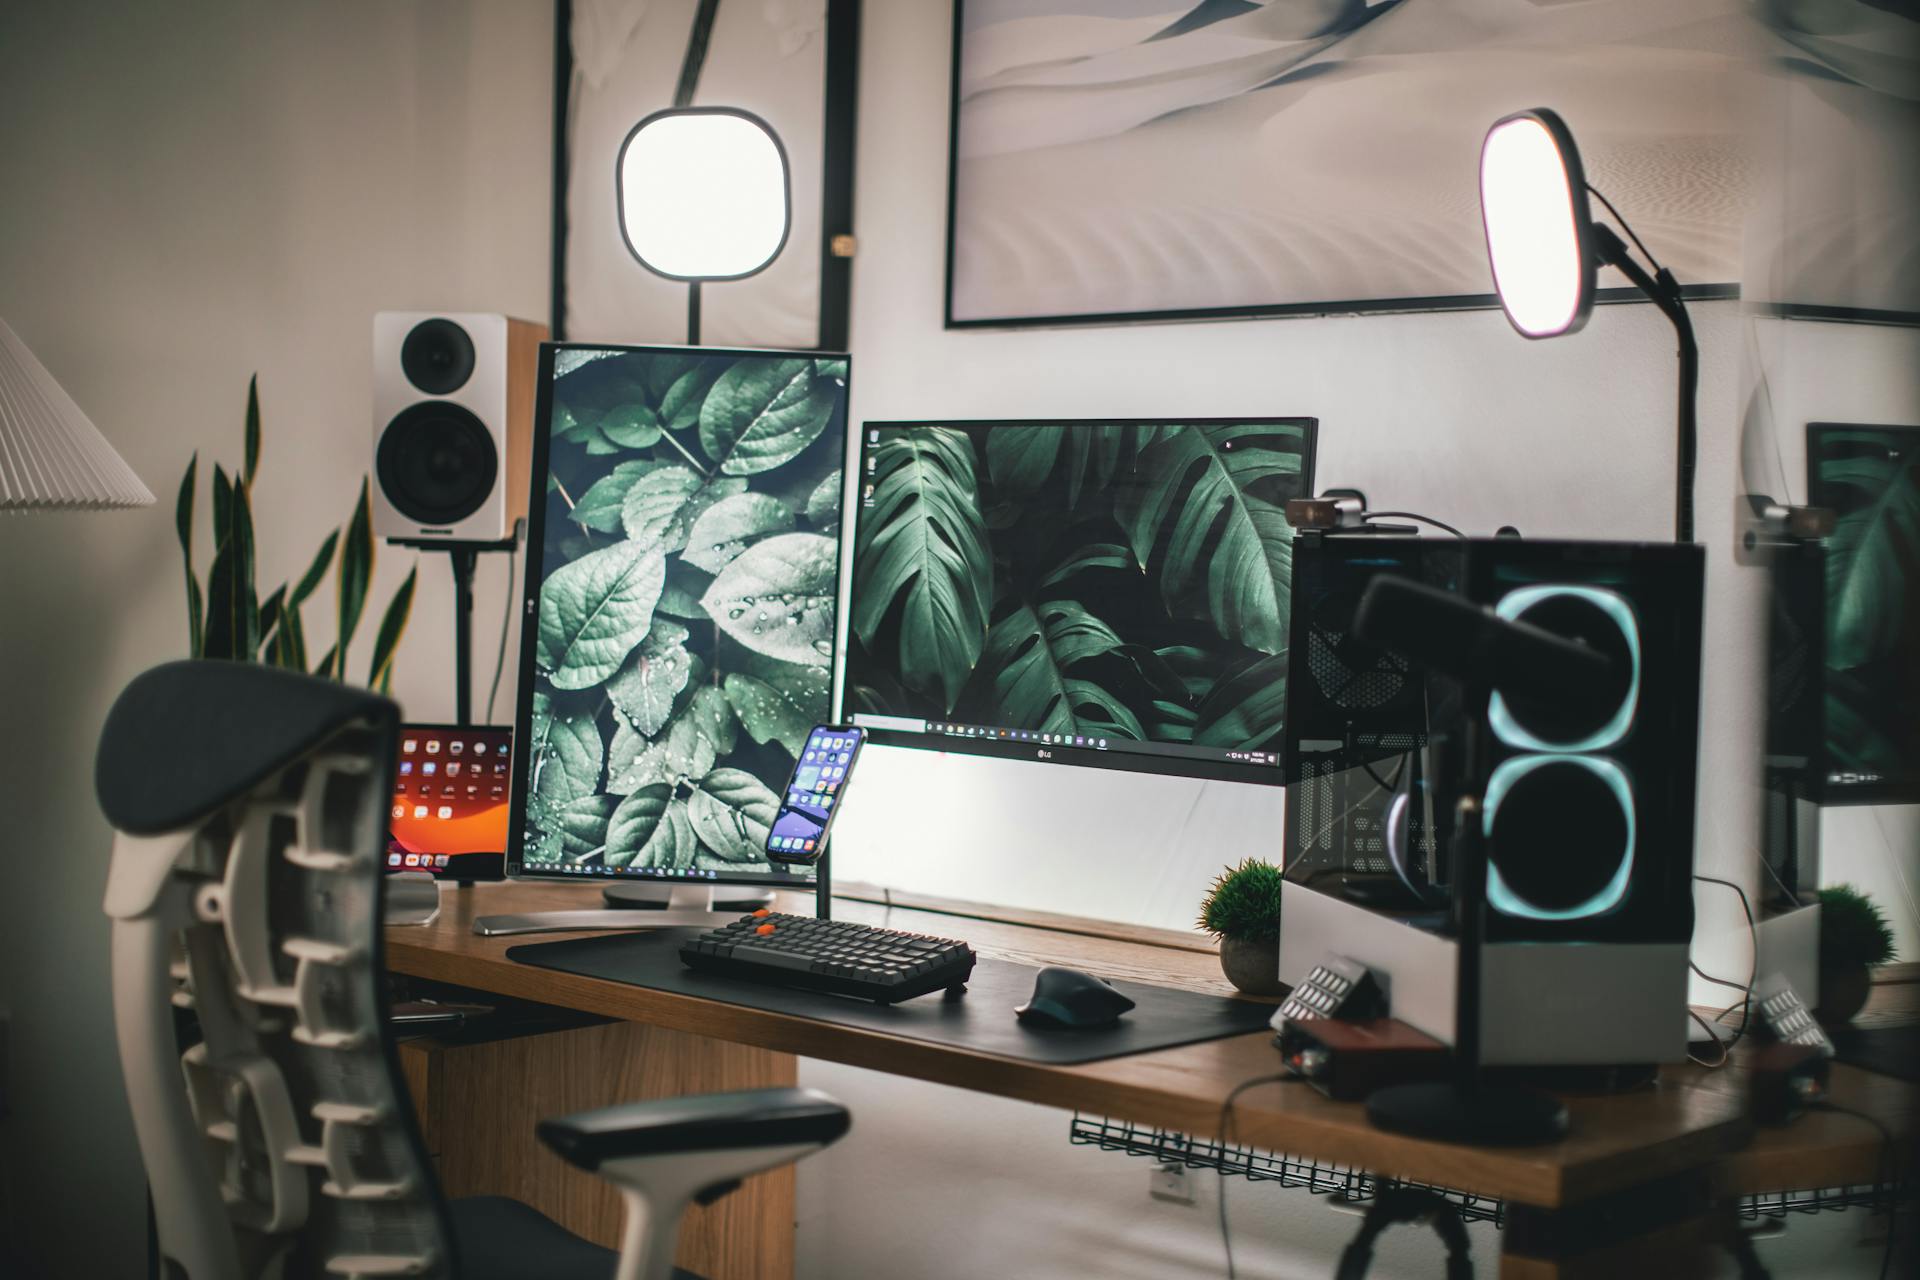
(250, 806)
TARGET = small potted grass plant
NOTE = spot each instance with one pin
(1854, 936)
(1242, 910)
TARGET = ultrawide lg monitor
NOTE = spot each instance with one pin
(1102, 593)
(677, 638)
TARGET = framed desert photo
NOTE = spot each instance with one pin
(1116, 160)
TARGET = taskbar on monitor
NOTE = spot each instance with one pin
(1077, 748)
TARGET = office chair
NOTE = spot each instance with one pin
(250, 812)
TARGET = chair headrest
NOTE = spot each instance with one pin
(186, 737)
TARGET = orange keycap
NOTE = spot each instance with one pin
(763, 913)
(765, 928)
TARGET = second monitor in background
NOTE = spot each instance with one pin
(1102, 593)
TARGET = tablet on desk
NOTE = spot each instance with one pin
(450, 792)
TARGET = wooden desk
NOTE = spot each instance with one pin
(1682, 1126)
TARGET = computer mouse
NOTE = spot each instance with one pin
(1069, 998)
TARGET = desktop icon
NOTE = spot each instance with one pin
(429, 768)
(409, 745)
(413, 859)
(446, 811)
(399, 811)
(457, 747)
(393, 859)
(433, 746)
(453, 769)
(406, 766)
(419, 811)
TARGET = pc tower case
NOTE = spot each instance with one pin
(1589, 816)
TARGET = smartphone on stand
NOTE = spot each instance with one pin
(798, 836)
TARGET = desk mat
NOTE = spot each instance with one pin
(1891, 1051)
(982, 1020)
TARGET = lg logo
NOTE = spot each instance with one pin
(1046, 755)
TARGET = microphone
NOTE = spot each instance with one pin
(1448, 633)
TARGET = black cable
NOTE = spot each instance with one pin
(1625, 226)
(1414, 515)
(696, 55)
(506, 622)
(1753, 971)
(1886, 1173)
(1388, 785)
(1226, 1140)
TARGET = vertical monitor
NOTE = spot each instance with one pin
(1105, 593)
(678, 626)
(1869, 477)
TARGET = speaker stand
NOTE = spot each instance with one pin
(464, 556)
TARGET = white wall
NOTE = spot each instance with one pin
(194, 193)
(1448, 414)
(219, 189)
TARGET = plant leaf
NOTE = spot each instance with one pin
(393, 625)
(316, 572)
(595, 610)
(732, 812)
(353, 577)
(325, 665)
(1247, 708)
(724, 529)
(661, 506)
(222, 509)
(582, 825)
(219, 637)
(762, 413)
(183, 526)
(644, 688)
(680, 407)
(270, 614)
(923, 537)
(635, 822)
(697, 736)
(780, 701)
(599, 507)
(632, 426)
(252, 433)
(777, 597)
(1029, 652)
(1202, 479)
(242, 599)
(1097, 555)
(1872, 557)
(823, 504)
(566, 751)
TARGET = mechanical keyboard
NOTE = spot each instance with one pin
(835, 956)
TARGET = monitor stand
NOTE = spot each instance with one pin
(659, 906)
(655, 895)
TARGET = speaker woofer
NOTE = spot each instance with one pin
(1560, 830)
(437, 357)
(436, 463)
(1602, 621)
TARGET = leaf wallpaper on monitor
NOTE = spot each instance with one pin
(1120, 580)
(685, 629)
(1871, 477)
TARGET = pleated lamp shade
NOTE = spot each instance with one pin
(51, 456)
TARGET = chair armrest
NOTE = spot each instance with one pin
(704, 1122)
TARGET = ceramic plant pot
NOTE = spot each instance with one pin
(1252, 966)
(1843, 993)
